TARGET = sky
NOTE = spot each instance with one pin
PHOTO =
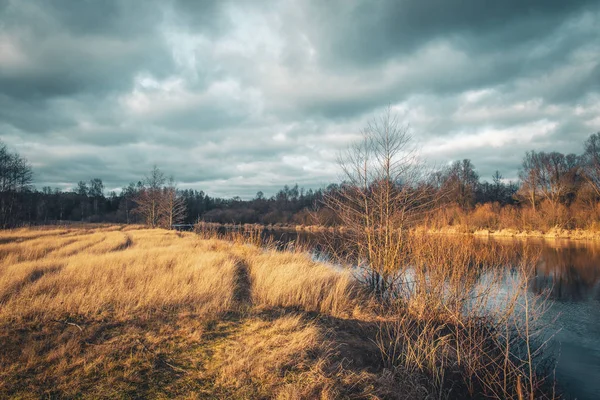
(232, 97)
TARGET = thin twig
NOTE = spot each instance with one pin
(68, 323)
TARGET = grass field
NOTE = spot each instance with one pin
(127, 312)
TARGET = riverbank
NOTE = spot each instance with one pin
(555, 233)
(213, 226)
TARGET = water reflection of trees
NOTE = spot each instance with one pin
(567, 270)
(568, 273)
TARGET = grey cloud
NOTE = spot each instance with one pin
(498, 44)
(68, 47)
(234, 97)
(32, 116)
(373, 32)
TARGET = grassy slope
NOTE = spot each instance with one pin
(116, 312)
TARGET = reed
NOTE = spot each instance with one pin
(459, 320)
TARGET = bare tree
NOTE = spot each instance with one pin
(558, 176)
(149, 197)
(460, 183)
(552, 177)
(530, 175)
(172, 207)
(379, 199)
(15, 178)
(591, 162)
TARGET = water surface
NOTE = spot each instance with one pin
(569, 273)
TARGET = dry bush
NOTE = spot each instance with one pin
(585, 216)
(582, 214)
(446, 269)
(248, 234)
(451, 218)
(207, 230)
(485, 216)
(381, 197)
(554, 215)
(461, 322)
(510, 218)
(545, 217)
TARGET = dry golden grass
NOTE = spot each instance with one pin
(102, 273)
(121, 312)
(261, 350)
(290, 280)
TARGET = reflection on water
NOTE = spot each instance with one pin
(568, 273)
(571, 273)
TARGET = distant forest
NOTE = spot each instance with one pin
(553, 190)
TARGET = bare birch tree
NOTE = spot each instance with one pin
(548, 176)
(530, 175)
(381, 196)
(149, 197)
(172, 206)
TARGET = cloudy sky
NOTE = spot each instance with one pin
(232, 97)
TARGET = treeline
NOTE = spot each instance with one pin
(154, 200)
(554, 190)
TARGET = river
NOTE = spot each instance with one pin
(569, 272)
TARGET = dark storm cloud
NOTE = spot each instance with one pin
(448, 47)
(19, 114)
(373, 32)
(232, 97)
(69, 47)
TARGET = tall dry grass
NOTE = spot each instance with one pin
(121, 274)
(460, 319)
(131, 312)
(290, 280)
